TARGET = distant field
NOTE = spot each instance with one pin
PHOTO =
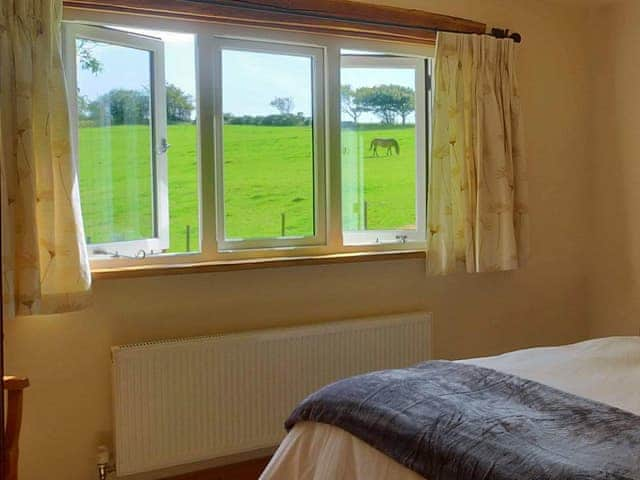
(267, 172)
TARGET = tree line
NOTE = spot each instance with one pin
(275, 120)
(133, 107)
(387, 102)
(284, 117)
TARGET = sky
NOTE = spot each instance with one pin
(250, 79)
(129, 68)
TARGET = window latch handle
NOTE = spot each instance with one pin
(164, 146)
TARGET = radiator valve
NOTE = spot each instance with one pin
(104, 465)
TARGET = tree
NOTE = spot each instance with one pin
(387, 101)
(84, 111)
(179, 105)
(86, 58)
(405, 101)
(87, 62)
(378, 101)
(284, 105)
(351, 103)
(121, 107)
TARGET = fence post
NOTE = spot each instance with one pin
(366, 215)
(282, 224)
(188, 239)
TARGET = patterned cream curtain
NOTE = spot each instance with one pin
(477, 204)
(45, 266)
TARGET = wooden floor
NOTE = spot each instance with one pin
(249, 470)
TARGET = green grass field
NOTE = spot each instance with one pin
(267, 173)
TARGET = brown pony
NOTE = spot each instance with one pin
(387, 143)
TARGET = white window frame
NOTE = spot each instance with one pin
(395, 236)
(216, 46)
(160, 201)
(332, 46)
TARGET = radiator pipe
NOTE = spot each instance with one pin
(104, 467)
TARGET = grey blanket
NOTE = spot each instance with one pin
(448, 421)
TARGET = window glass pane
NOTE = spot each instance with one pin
(267, 145)
(114, 141)
(378, 146)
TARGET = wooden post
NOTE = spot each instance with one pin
(366, 215)
(14, 387)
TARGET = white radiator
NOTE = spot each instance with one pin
(190, 400)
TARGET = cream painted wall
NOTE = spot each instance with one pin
(615, 286)
(67, 409)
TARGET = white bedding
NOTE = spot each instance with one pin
(606, 370)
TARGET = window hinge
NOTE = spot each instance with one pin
(403, 238)
(139, 255)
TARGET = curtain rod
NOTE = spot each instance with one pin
(251, 5)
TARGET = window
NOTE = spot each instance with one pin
(383, 148)
(235, 142)
(270, 149)
(136, 139)
(120, 138)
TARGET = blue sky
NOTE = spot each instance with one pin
(250, 80)
(127, 68)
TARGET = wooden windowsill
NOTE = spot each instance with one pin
(253, 264)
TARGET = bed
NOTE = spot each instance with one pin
(604, 370)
